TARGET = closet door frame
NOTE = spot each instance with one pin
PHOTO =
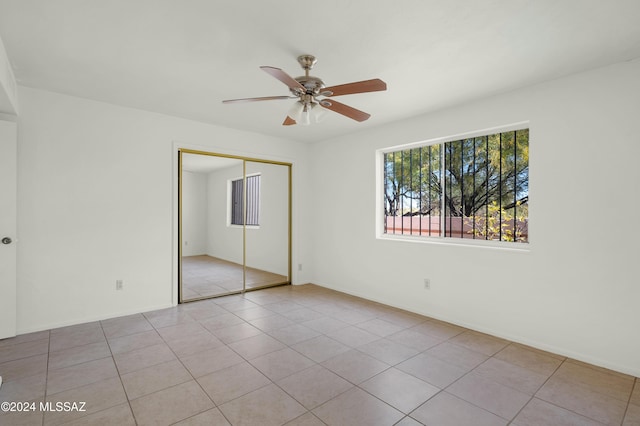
(289, 211)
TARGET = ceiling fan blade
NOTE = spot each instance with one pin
(289, 121)
(284, 77)
(374, 85)
(345, 110)
(265, 98)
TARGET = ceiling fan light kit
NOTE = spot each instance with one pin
(308, 88)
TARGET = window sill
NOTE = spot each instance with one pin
(461, 242)
(247, 226)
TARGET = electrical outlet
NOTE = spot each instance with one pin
(299, 266)
(427, 284)
(119, 284)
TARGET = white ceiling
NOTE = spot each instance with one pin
(184, 57)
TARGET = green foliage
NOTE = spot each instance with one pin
(412, 181)
(482, 170)
(498, 224)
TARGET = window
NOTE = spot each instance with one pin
(473, 188)
(253, 201)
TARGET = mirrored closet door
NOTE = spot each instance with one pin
(235, 224)
(266, 243)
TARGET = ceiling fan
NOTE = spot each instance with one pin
(311, 92)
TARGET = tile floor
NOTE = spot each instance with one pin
(301, 355)
(206, 276)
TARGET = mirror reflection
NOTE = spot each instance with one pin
(267, 242)
(234, 225)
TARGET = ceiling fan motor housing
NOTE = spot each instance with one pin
(311, 84)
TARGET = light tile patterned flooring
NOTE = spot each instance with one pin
(206, 276)
(301, 355)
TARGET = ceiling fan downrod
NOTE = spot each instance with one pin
(311, 84)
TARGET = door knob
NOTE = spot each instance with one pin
(6, 240)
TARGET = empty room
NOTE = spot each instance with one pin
(342, 213)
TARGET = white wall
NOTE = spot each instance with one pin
(576, 292)
(194, 213)
(97, 203)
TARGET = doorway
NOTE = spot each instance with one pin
(8, 229)
(234, 229)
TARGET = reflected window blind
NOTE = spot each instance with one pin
(253, 201)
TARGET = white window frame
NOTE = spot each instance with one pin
(230, 202)
(442, 240)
